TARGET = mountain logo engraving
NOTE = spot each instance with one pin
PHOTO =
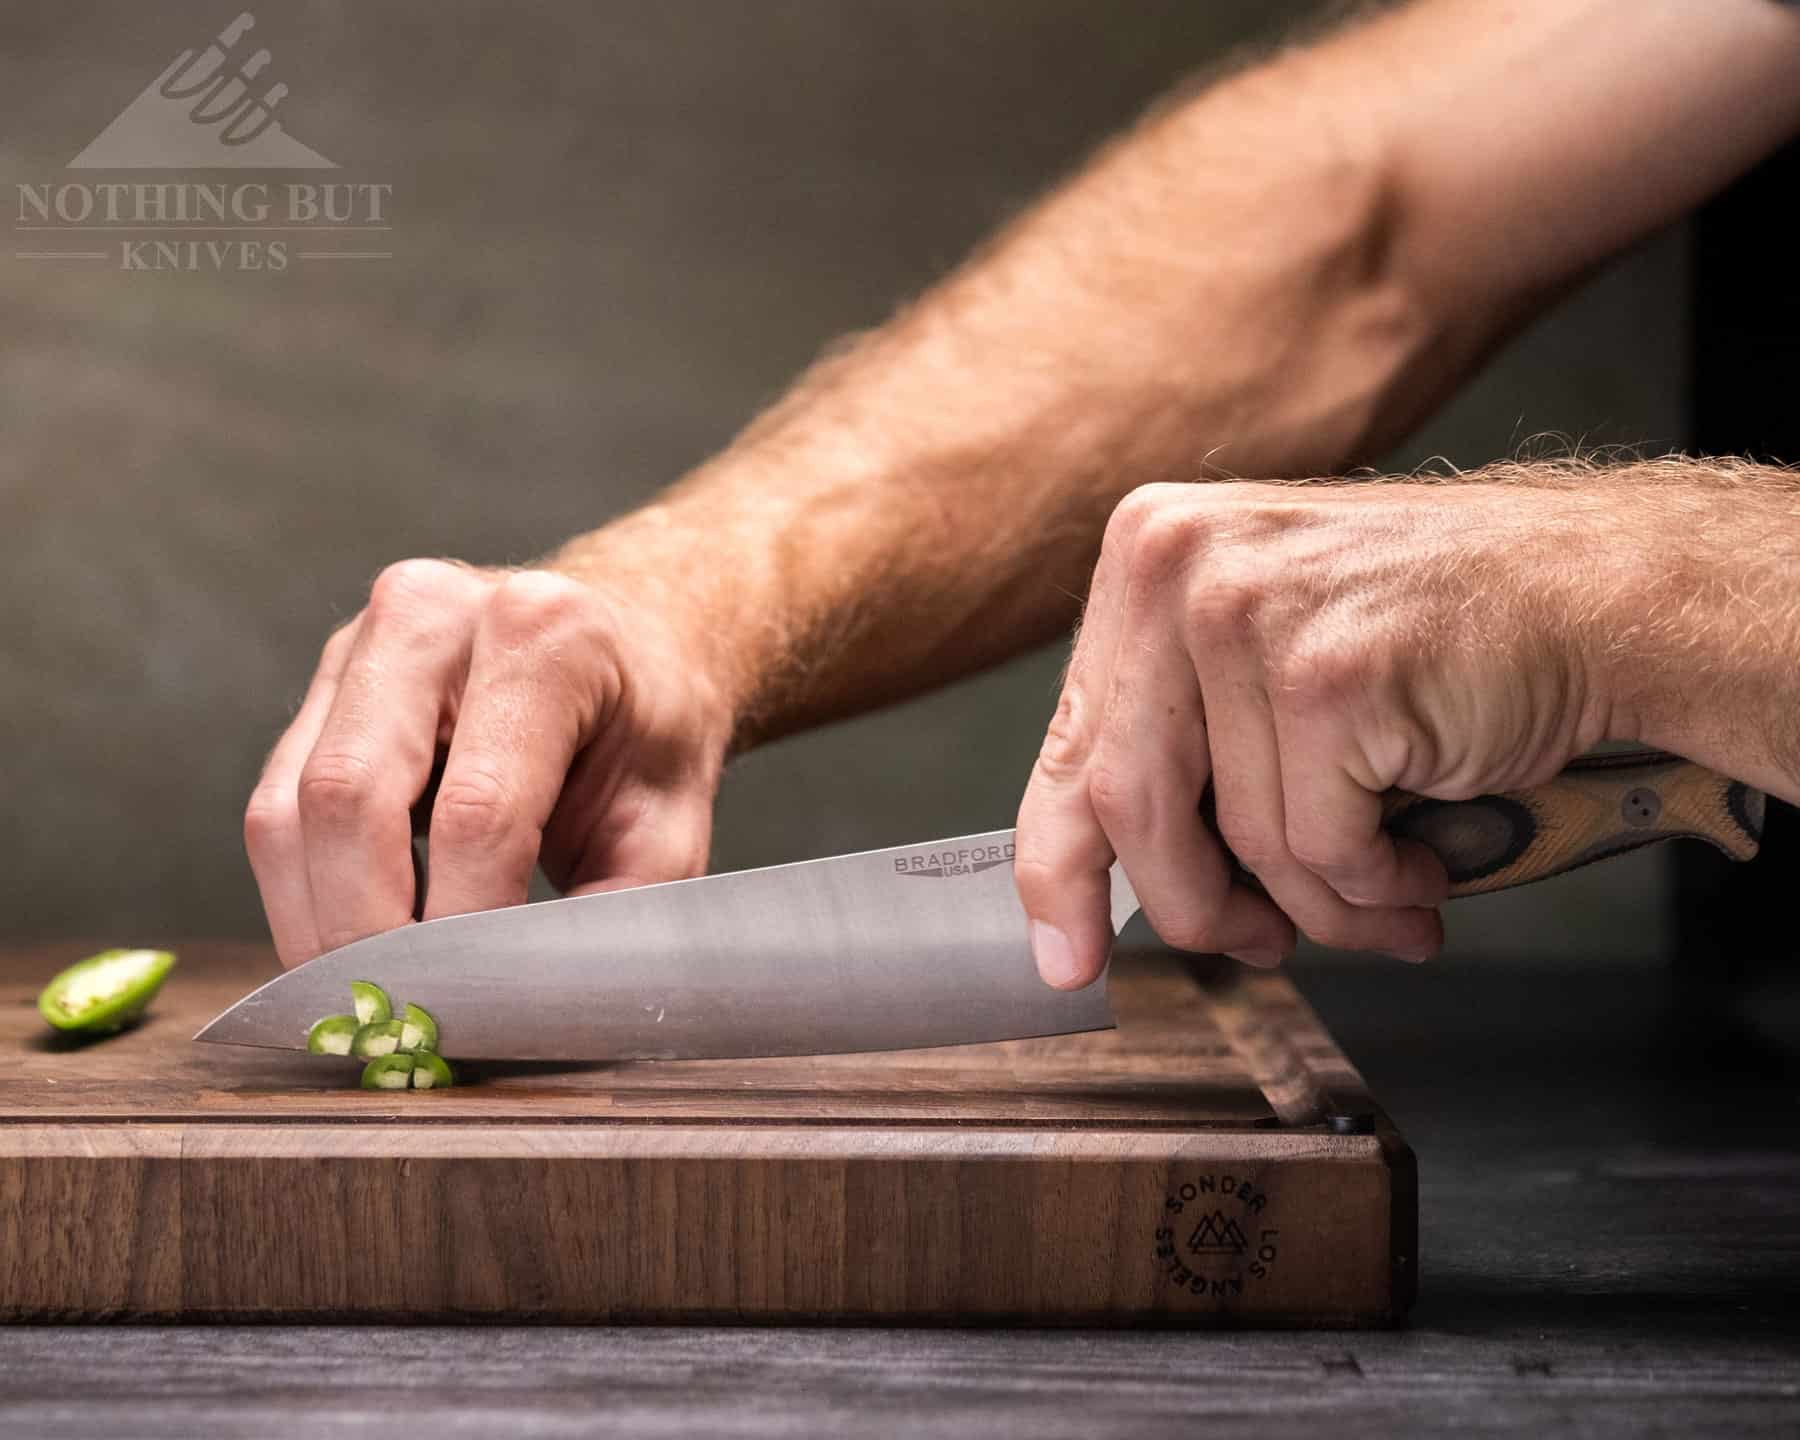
(208, 110)
(1217, 1234)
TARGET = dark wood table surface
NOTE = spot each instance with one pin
(1610, 1195)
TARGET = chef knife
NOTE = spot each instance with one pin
(888, 949)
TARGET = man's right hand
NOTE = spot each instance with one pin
(575, 726)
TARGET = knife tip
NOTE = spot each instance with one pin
(218, 1031)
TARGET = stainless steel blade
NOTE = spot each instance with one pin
(883, 950)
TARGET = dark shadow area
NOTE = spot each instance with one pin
(1600, 1154)
(1752, 1307)
(476, 1072)
(61, 1042)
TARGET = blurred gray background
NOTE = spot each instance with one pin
(619, 228)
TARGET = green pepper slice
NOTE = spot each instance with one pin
(418, 1031)
(332, 1035)
(381, 1038)
(370, 1002)
(105, 992)
(387, 1072)
(429, 1072)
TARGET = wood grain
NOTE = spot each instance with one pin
(1599, 806)
(1609, 1225)
(1062, 1181)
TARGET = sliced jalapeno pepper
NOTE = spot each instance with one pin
(370, 1002)
(387, 1072)
(429, 1072)
(381, 1038)
(332, 1035)
(105, 992)
(418, 1031)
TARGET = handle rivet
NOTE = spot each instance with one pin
(1640, 807)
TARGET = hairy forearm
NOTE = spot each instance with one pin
(1273, 277)
(1694, 619)
(930, 497)
(1662, 597)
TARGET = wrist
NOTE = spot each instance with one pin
(1674, 607)
(681, 604)
(1610, 568)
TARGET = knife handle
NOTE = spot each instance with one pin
(1600, 806)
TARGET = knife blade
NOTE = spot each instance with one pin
(912, 946)
(907, 947)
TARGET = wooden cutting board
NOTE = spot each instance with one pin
(1128, 1177)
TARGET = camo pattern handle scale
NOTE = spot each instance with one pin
(1601, 805)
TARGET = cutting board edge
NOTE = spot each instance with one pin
(193, 1141)
(652, 1224)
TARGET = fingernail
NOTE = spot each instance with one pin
(1415, 957)
(1262, 959)
(1054, 954)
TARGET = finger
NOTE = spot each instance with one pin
(1334, 830)
(374, 752)
(1149, 771)
(273, 837)
(1062, 859)
(535, 695)
(650, 836)
(622, 823)
(1248, 785)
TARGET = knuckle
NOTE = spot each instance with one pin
(1068, 740)
(1227, 597)
(1166, 542)
(1184, 928)
(535, 604)
(1119, 793)
(1324, 854)
(473, 811)
(336, 791)
(1351, 879)
(1323, 676)
(269, 819)
(1339, 872)
(408, 586)
(1251, 843)
(1130, 514)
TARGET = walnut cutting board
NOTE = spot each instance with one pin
(1128, 1177)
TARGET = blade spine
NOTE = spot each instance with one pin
(786, 866)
